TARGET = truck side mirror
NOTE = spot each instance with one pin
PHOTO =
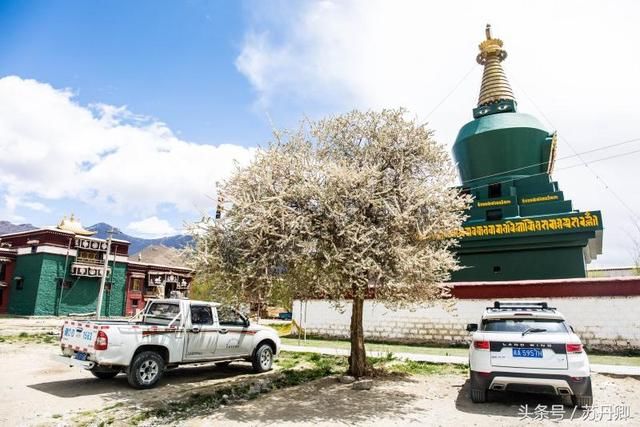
(472, 327)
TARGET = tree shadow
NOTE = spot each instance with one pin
(325, 400)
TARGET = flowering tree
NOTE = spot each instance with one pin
(347, 207)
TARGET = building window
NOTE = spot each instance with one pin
(90, 257)
(134, 303)
(136, 284)
(19, 283)
(495, 190)
(3, 271)
(494, 214)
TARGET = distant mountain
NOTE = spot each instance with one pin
(6, 227)
(178, 241)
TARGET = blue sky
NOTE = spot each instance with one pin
(173, 60)
(129, 112)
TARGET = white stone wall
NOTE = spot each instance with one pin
(605, 323)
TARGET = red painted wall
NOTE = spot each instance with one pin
(589, 287)
(8, 279)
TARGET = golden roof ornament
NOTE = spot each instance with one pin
(73, 225)
(495, 86)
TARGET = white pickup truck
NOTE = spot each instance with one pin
(168, 333)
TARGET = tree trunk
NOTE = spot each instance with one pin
(357, 359)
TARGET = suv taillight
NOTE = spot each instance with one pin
(102, 341)
(574, 348)
(481, 345)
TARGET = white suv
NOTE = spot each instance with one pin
(527, 347)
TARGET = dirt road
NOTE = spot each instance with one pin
(436, 400)
(39, 391)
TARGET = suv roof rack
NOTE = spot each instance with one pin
(520, 306)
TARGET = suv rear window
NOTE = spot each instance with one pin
(521, 325)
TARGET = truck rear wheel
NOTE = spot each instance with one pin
(146, 370)
(104, 373)
(262, 358)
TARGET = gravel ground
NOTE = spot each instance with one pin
(39, 391)
(436, 400)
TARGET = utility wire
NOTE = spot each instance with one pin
(628, 141)
(451, 91)
(566, 167)
(586, 164)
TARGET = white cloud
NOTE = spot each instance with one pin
(151, 227)
(54, 148)
(573, 59)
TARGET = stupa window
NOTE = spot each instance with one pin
(494, 214)
(495, 190)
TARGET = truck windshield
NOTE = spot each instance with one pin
(521, 325)
(161, 313)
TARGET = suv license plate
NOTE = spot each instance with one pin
(527, 352)
(80, 356)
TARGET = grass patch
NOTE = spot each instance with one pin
(605, 359)
(632, 359)
(26, 338)
(384, 347)
(411, 367)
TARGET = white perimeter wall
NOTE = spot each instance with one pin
(607, 323)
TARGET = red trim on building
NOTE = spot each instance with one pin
(590, 287)
(5, 280)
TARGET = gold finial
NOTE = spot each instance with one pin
(495, 86)
(73, 225)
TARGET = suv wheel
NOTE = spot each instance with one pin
(478, 392)
(262, 358)
(478, 395)
(585, 399)
(145, 370)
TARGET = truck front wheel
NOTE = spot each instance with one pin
(146, 370)
(262, 358)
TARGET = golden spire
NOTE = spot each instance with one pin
(495, 86)
(73, 225)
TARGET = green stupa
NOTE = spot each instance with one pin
(520, 226)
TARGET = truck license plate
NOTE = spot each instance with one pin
(527, 352)
(80, 356)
